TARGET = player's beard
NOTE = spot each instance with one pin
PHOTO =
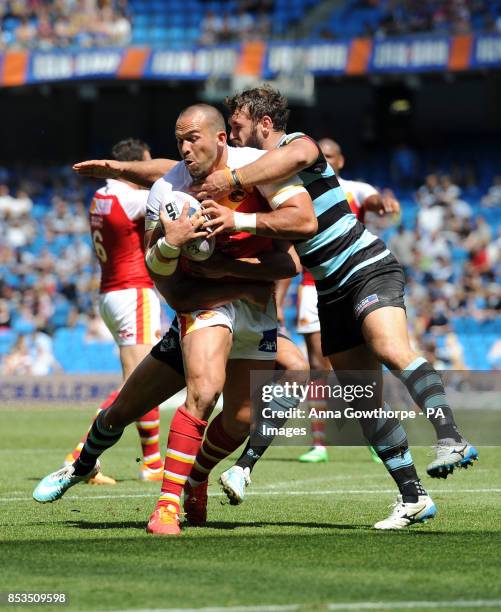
(253, 140)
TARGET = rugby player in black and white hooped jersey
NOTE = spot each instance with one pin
(360, 286)
(362, 198)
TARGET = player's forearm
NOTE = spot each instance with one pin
(373, 203)
(286, 223)
(146, 172)
(266, 267)
(277, 165)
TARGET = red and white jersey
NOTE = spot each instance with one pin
(356, 193)
(116, 217)
(255, 199)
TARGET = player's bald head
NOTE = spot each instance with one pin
(202, 116)
(330, 146)
(332, 153)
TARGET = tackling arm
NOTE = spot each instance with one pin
(143, 173)
(275, 166)
(293, 219)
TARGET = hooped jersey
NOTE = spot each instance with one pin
(116, 218)
(356, 193)
(342, 245)
(255, 199)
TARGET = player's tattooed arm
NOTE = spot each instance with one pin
(143, 173)
(282, 262)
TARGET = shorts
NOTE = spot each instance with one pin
(254, 330)
(131, 315)
(307, 310)
(168, 350)
(376, 286)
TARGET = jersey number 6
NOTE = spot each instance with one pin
(97, 239)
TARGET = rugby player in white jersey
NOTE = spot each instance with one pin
(224, 343)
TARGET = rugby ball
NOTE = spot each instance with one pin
(199, 249)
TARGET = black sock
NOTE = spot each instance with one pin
(427, 389)
(99, 439)
(389, 440)
(262, 435)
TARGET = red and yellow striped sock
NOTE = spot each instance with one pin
(106, 404)
(148, 427)
(318, 428)
(185, 437)
(217, 446)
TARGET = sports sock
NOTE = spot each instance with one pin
(148, 427)
(427, 390)
(217, 445)
(318, 430)
(261, 437)
(389, 440)
(106, 404)
(100, 438)
(184, 441)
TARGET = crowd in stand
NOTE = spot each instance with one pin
(49, 277)
(251, 20)
(53, 24)
(441, 16)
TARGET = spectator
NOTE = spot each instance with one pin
(401, 246)
(19, 361)
(493, 196)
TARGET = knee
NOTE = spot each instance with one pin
(202, 396)
(395, 355)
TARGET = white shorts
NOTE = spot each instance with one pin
(254, 330)
(131, 315)
(307, 310)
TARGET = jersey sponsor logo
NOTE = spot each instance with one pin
(206, 314)
(96, 221)
(370, 300)
(268, 343)
(169, 343)
(101, 206)
(126, 333)
(172, 210)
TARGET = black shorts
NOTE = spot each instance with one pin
(168, 350)
(376, 286)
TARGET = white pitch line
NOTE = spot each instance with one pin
(360, 605)
(264, 493)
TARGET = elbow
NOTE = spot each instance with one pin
(309, 229)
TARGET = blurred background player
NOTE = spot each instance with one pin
(128, 303)
(362, 198)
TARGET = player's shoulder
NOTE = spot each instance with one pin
(240, 156)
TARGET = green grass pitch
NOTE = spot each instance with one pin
(303, 538)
